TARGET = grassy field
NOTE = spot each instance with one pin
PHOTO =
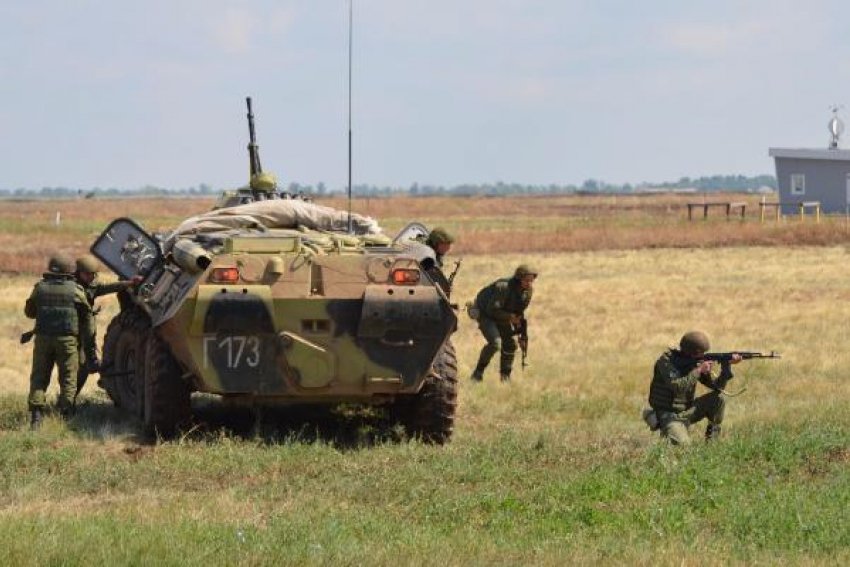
(516, 224)
(553, 469)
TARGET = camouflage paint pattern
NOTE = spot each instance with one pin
(305, 325)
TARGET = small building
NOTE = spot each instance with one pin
(815, 174)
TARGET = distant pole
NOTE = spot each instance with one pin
(58, 219)
(350, 51)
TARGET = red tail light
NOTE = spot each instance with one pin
(403, 276)
(225, 275)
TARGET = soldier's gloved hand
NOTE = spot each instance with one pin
(705, 367)
(93, 365)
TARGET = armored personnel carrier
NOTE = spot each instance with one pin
(279, 301)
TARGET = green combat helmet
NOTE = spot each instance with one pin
(525, 270)
(439, 236)
(60, 265)
(694, 342)
(88, 264)
(265, 182)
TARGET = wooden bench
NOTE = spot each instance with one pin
(705, 206)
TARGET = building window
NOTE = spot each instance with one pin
(798, 184)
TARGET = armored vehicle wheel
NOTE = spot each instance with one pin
(124, 352)
(167, 398)
(430, 415)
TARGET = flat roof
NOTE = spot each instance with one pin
(810, 153)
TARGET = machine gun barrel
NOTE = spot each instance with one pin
(253, 148)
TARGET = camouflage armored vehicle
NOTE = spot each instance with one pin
(276, 301)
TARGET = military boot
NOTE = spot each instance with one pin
(478, 373)
(36, 419)
(712, 432)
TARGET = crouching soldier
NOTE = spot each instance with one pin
(500, 311)
(87, 278)
(62, 319)
(671, 394)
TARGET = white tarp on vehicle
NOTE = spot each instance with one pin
(284, 213)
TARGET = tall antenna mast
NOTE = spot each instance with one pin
(350, 43)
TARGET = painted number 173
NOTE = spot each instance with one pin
(235, 350)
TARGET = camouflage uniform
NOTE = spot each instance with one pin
(672, 396)
(436, 237)
(88, 359)
(497, 303)
(62, 319)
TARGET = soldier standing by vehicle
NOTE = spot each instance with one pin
(440, 241)
(500, 310)
(62, 321)
(671, 393)
(86, 276)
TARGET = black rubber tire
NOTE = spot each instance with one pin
(123, 360)
(167, 399)
(430, 414)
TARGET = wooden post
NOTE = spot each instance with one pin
(705, 212)
(802, 212)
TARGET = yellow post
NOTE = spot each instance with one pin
(817, 213)
(761, 211)
(802, 212)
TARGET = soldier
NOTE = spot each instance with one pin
(440, 241)
(671, 394)
(62, 320)
(86, 276)
(501, 308)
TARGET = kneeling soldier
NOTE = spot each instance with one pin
(501, 308)
(674, 382)
(62, 319)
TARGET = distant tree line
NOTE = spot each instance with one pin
(705, 183)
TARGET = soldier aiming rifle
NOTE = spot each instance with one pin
(673, 405)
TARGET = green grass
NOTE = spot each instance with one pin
(770, 492)
(553, 469)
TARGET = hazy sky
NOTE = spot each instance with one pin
(122, 94)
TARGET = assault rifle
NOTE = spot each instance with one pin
(454, 273)
(726, 357)
(522, 331)
(725, 360)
